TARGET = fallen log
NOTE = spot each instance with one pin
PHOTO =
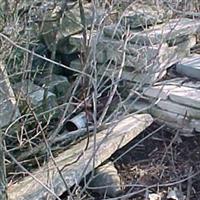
(107, 142)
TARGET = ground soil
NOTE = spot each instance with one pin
(165, 160)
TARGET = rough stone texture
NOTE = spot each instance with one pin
(142, 15)
(172, 30)
(29, 93)
(171, 119)
(8, 106)
(107, 141)
(143, 78)
(137, 57)
(169, 31)
(70, 24)
(181, 94)
(106, 181)
(57, 84)
(181, 81)
(190, 66)
(113, 70)
(175, 120)
(167, 116)
(179, 109)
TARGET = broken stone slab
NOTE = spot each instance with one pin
(8, 105)
(107, 141)
(142, 78)
(171, 119)
(190, 66)
(32, 95)
(168, 116)
(146, 58)
(180, 51)
(157, 34)
(175, 120)
(180, 81)
(175, 28)
(57, 84)
(106, 181)
(143, 15)
(179, 109)
(180, 94)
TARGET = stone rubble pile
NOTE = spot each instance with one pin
(143, 45)
(141, 48)
(177, 100)
(175, 103)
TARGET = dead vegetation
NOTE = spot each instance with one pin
(72, 73)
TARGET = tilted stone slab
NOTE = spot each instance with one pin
(144, 14)
(181, 94)
(138, 57)
(179, 109)
(175, 120)
(175, 28)
(8, 105)
(180, 81)
(143, 78)
(107, 141)
(145, 58)
(190, 66)
(171, 119)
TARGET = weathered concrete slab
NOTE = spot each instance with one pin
(180, 81)
(179, 109)
(174, 120)
(8, 106)
(180, 94)
(107, 141)
(138, 57)
(172, 30)
(190, 66)
(144, 14)
(143, 78)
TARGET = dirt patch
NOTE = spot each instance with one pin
(163, 161)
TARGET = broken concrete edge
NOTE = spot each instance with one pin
(183, 95)
(175, 107)
(190, 66)
(164, 116)
(175, 28)
(108, 141)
